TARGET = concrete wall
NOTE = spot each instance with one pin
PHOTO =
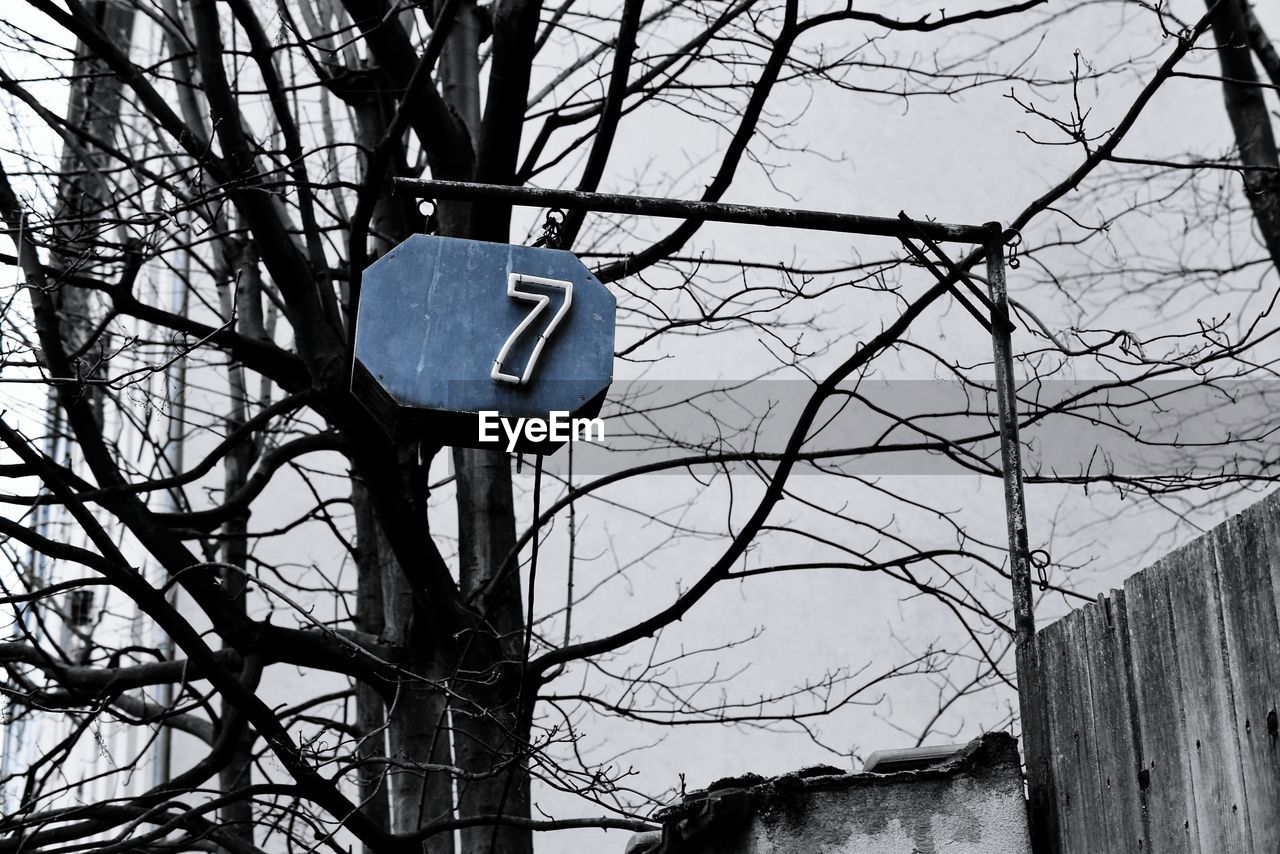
(972, 805)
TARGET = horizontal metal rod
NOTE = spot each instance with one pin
(690, 209)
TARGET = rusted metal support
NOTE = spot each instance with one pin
(691, 209)
(952, 268)
(989, 235)
(1031, 703)
(949, 281)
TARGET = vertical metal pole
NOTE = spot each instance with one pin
(1030, 696)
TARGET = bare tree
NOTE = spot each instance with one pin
(357, 642)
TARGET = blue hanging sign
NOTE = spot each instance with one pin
(450, 329)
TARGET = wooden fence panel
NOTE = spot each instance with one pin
(1247, 557)
(1162, 702)
(1116, 754)
(1166, 790)
(1072, 742)
(1206, 699)
(1057, 662)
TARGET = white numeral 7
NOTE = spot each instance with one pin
(541, 301)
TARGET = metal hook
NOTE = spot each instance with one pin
(551, 229)
(1013, 240)
(1040, 560)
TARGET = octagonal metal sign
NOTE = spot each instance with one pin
(449, 329)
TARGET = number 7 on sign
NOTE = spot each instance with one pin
(528, 326)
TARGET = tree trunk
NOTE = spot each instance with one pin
(1247, 109)
(370, 710)
(414, 789)
(489, 730)
(418, 715)
(237, 773)
(489, 733)
(84, 198)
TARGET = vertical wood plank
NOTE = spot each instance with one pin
(1207, 699)
(1090, 807)
(1167, 790)
(1141, 775)
(1119, 812)
(1049, 654)
(1247, 559)
(1057, 659)
(1053, 666)
(1089, 831)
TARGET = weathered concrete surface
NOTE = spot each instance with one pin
(972, 804)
